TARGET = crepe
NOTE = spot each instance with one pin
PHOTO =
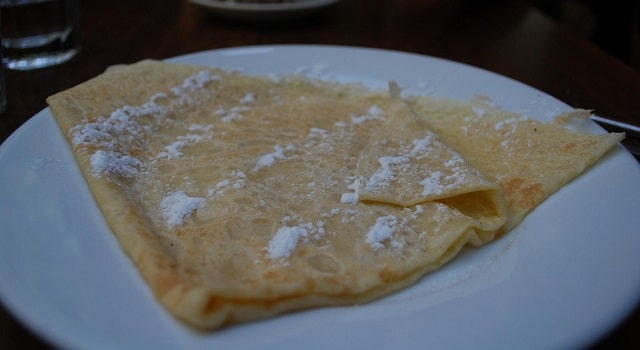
(241, 197)
(529, 159)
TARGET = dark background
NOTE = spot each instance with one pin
(613, 25)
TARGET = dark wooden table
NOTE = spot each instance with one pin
(511, 38)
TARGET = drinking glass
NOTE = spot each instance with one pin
(38, 33)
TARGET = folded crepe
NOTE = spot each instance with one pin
(529, 159)
(241, 197)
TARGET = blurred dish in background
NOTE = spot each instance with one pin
(263, 11)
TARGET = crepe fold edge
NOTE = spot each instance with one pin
(529, 159)
(407, 164)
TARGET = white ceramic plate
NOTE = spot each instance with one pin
(564, 277)
(263, 11)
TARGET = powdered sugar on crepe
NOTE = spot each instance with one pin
(114, 164)
(270, 159)
(405, 165)
(234, 113)
(383, 229)
(287, 238)
(392, 165)
(374, 113)
(116, 138)
(120, 128)
(191, 84)
(349, 198)
(432, 184)
(237, 181)
(389, 167)
(173, 150)
(177, 205)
